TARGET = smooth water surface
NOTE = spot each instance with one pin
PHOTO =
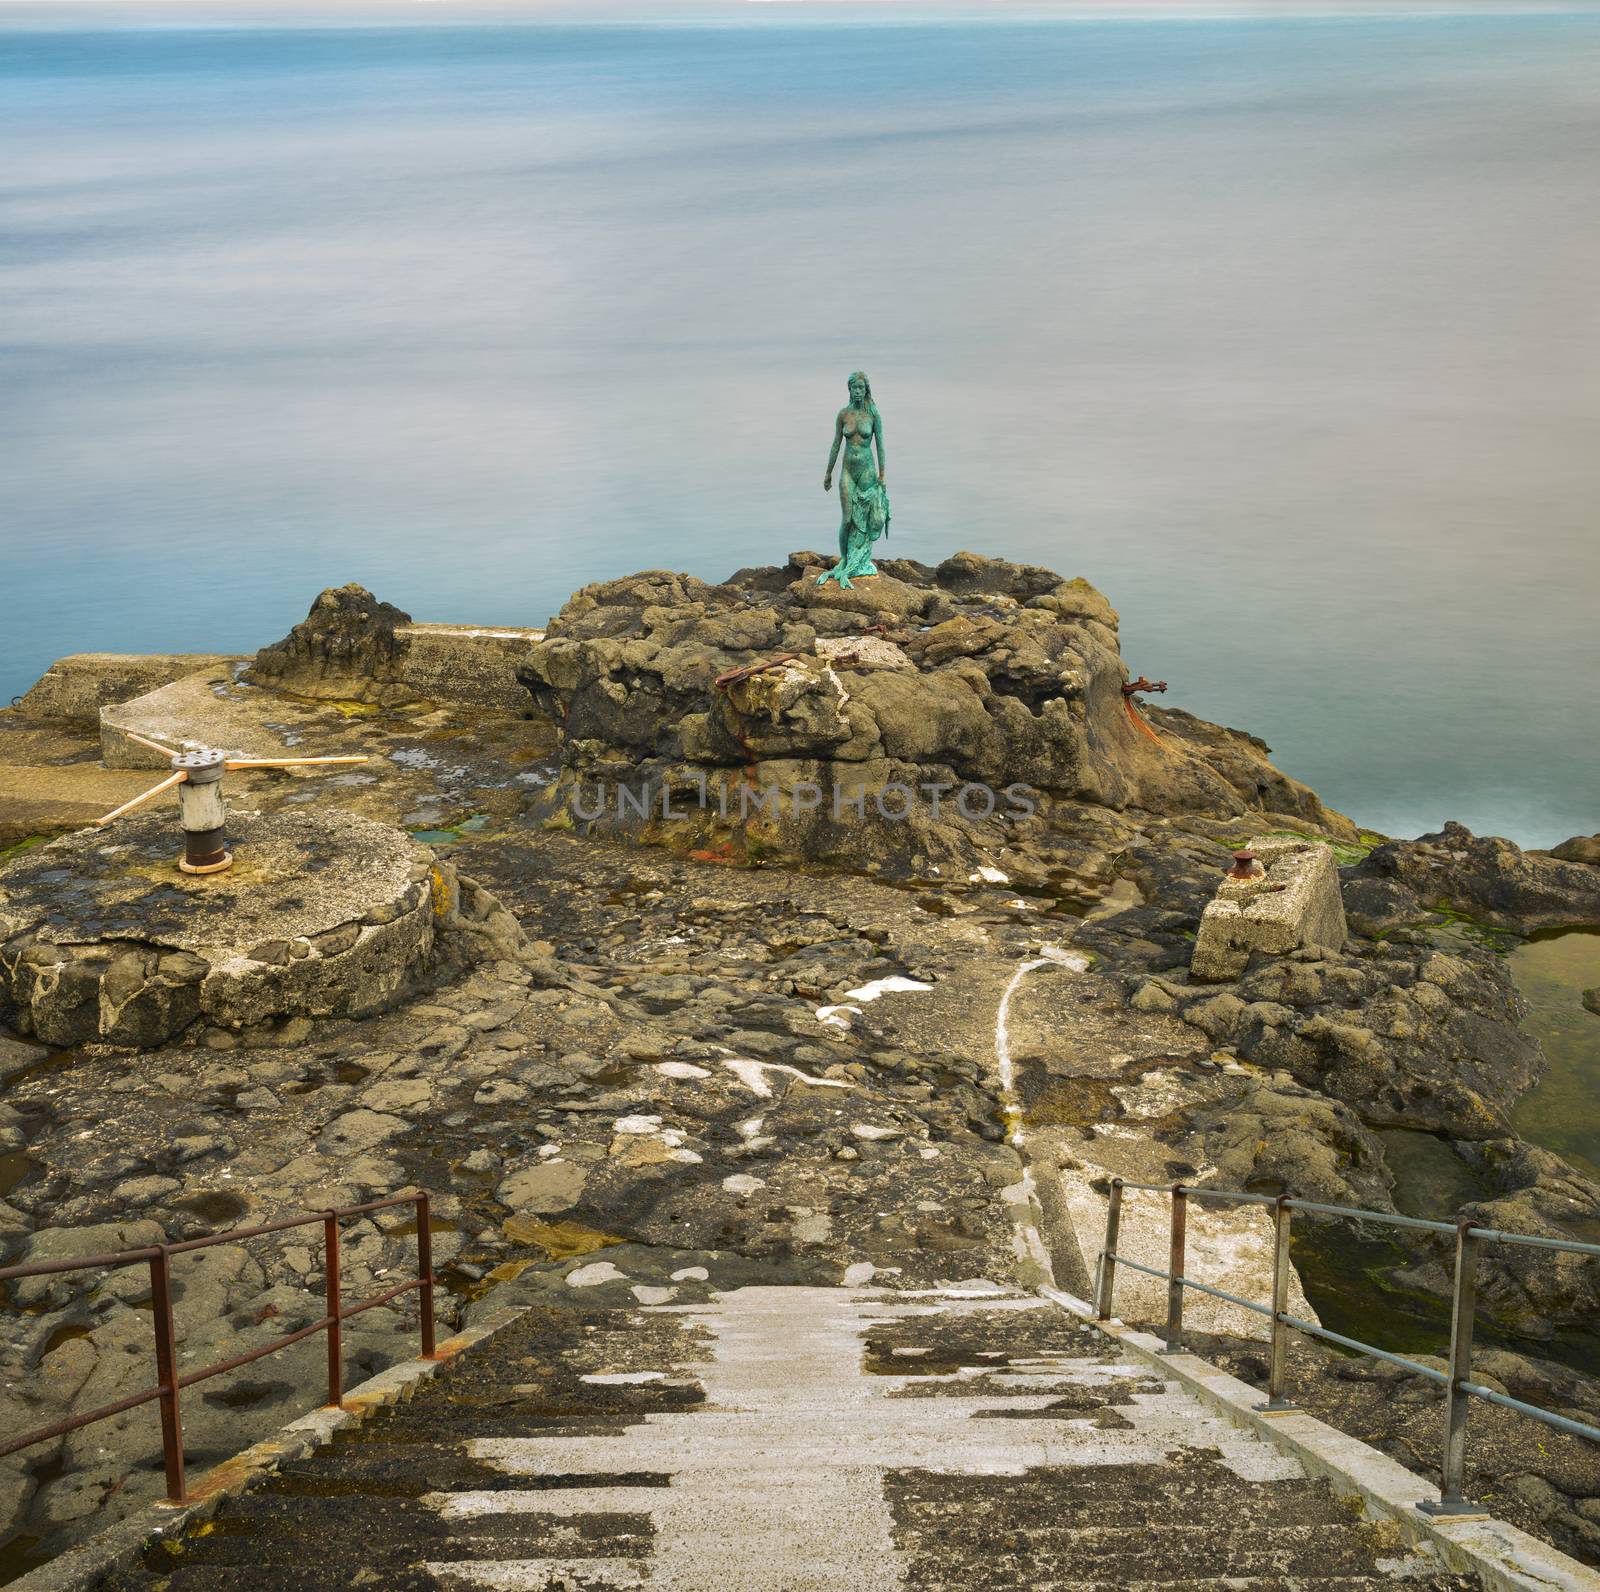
(1552, 970)
(1279, 331)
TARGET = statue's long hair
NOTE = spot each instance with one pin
(872, 407)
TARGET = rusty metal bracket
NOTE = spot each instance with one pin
(1142, 684)
(734, 676)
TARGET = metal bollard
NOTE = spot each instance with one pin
(1180, 1222)
(201, 812)
(1453, 1462)
(1105, 1275)
(1278, 1373)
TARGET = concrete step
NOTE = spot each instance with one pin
(762, 1455)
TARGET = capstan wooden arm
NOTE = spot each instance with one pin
(139, 801)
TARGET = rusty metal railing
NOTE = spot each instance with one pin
(169, 1383)
(1459, 1387)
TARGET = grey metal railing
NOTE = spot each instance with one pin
(1459, 1387)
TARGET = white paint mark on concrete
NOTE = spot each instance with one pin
(1027, 1239)
(896, 983)
(753, 1075)
(636, 1124)
(593, 1275)
(681, 1069)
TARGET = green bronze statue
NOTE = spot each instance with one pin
(863, 498)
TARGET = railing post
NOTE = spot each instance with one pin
(1278, 1372)
(1180, 1221)
(167, 1373)
(425, 1270)
(1453, 1461)
(1105, 1274)
(330, 1279)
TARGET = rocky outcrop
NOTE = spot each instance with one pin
(1536, 1292)
(344, 649)
(353, 648)
(1409, 1038)
(1279, 1132)
(1491, 880)
(1581, 848)
(924, 716)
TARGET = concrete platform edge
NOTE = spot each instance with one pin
(79, 1567)
(1505, 1559)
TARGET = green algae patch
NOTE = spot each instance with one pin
(1448, 927)
(559, 1240)
(27, 843)
(1345, 852)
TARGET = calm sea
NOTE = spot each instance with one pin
(1282, 332)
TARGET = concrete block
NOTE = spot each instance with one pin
(465, 663)
(207, 708)
(75, 688)
(1296, 904)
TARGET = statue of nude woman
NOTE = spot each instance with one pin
(863, 498)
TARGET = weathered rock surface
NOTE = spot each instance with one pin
(1537, 1292)
(351, 647)
(1581, 848)
(1487, 878)
(102, 938)
(688, 1077)
(75, 688)
(344, 648)
(949, 689)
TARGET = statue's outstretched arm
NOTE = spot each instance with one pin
(833, 453)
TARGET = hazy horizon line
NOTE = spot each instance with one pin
(676, 10)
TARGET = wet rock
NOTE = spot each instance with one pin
(1277, 1133)
(345, 648)
(1487, 878)
(398, 1095)
(1535, 1291)
(1581, 848)
(545, 1189)
(1375, 906)
(1017, 680)
(70, 1243)
(359, 1130)
(143, 1190)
